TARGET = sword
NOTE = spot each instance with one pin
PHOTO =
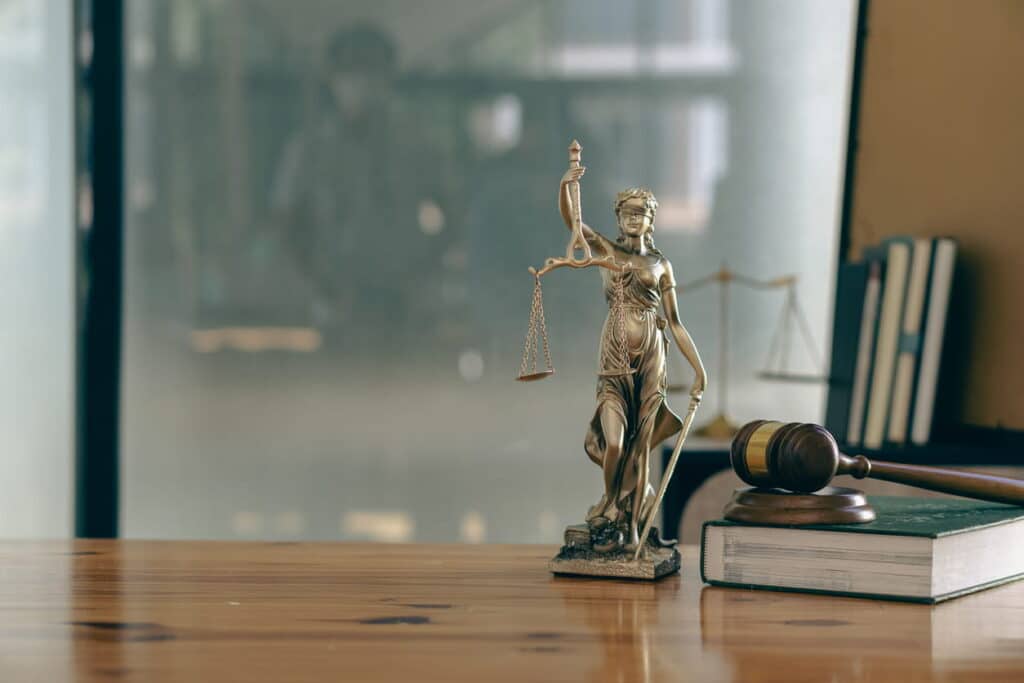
(667, 476)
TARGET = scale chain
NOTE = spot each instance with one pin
(543, 329)
(537, 324)
(531, 337)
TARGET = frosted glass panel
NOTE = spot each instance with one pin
(36, 233)
(332, 209)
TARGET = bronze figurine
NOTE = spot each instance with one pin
(631, 416)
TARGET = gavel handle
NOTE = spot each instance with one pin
(970, 484)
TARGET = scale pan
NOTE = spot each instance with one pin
(534, 376)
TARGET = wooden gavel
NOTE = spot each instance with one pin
(805, 457)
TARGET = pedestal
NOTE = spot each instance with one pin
(579, 557)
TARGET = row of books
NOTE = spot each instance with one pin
(891, 310)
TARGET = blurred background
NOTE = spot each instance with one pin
(328, 212)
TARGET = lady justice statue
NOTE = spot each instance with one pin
(632, 415)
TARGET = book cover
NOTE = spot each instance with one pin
(933, 334)
(889, 319)
(875, 260)
(851, 288)
(924, 517)
(909, 344)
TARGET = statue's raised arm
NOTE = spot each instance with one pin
(583, 236)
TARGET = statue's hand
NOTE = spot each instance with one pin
(573, 174)
(700, 383)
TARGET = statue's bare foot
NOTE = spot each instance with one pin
(603, 509)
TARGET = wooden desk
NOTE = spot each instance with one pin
(185, 611)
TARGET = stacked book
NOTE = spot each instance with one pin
(891, 310)
(918, 550)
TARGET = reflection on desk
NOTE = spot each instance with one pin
(187, 611)
(846, 639)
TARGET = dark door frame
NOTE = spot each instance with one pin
(100, 103)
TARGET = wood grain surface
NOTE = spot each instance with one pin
(216, 611)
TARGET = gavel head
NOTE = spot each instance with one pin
(787, 455)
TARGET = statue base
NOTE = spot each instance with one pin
(579, 557)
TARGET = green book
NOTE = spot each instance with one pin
(918, 549)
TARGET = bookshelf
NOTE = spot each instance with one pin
(933, 150)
